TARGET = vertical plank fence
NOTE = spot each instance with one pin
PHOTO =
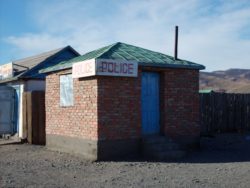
(34, 116)
(224, 112)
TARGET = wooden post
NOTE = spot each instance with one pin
(29, 117)
(25, 120)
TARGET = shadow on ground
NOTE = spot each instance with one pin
(218, 148)
(11, 143)
(222, 148)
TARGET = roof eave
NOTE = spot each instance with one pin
(197, 67)
(9, 80)
(55, 70)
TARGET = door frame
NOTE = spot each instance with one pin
(16, 108)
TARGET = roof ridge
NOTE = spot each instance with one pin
(144, 49)
(161, 53)
(109, 48)
(90, 52)
(57, 52)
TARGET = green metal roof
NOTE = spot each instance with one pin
(122, 51)
(205, 91)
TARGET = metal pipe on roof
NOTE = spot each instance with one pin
(176, 43)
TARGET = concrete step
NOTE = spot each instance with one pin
(169, 155)
(161, 148)
(155, 139)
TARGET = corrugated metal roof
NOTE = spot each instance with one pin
(30, 62)
(122, 51)
(29, 67)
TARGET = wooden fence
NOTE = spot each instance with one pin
(222, 112)
(34, 116)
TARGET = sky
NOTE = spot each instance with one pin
(215, 33)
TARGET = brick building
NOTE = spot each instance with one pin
(117, 95)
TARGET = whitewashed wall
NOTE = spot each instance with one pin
(22, 133)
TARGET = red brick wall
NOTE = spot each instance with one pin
(108, 108)
(79, 120)
(181, 104)
(119, 112)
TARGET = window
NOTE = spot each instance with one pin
(66, 90)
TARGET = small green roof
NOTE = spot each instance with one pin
(205, 91)
(122, 51)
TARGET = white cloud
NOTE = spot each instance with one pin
(210, 34)
(33, 42)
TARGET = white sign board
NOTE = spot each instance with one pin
(105, 67)
(6, 71)
(84, 69)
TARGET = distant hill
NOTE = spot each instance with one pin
(230, 81)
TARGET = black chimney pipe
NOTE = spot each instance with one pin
(176, 43)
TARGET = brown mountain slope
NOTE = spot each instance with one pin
(231, 81)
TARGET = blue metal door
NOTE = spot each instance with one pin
(150, 103)
(6, 109)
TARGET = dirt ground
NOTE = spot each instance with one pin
(223, 161)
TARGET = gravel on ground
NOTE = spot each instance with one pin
(223, 161)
